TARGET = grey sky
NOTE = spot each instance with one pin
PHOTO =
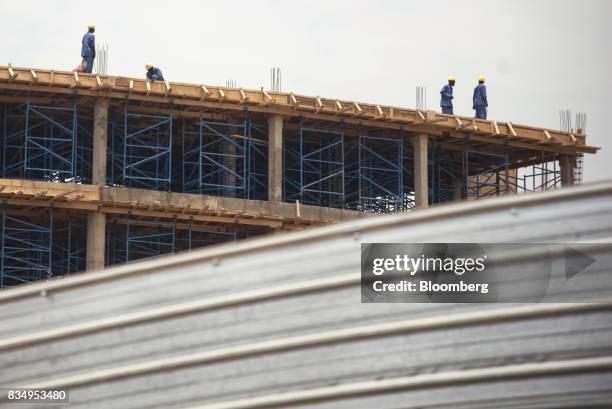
(538, 56)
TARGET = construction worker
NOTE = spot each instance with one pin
(88, 48)
(154, 73)
(446, 99)
(480, 103)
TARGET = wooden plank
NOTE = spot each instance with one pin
(196, 95)
(512, 131)
(12, 74)
(205, 92)
(495, 129)
(243, 97)
(338, 106)
(379, 113)
(34, 77)
(200, 218)
(77, 80)
(318, 104)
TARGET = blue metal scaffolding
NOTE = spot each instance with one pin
(540, 175)
(51, 143)
(314, 166)
(142, 242)
(485, 174)
(37, 246)
(408, 197)
(196, 236)
(374, 173)
(225, 158)
(25, 249)
(258, 162)
(291, 167)
(489, 179)
(141, 151)
(134, 239)
(114, 153)
(445, 174)
(69, 248)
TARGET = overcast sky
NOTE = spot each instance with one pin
(538, 56)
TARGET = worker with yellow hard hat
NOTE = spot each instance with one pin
(446, 99)
(88, 49)
(153, 73)
(479, 100)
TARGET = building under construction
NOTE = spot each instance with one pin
(99, 170)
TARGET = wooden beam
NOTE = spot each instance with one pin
(379, 113)
(410, 120)
(200, 218)
(205, 93)
(267, 99)
(495, 129)
(12, 74)
(243, 97)
(77, 80)
(512, 131)
(318, 104)
(338, 106)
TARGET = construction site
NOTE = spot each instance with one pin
(100, 170)
(190, 245)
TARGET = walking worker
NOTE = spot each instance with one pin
(88, 48)
(154, 73)
(479, 101)
(446, 99)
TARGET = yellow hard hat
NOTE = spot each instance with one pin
(481, 78)
(148, 66)
(92, 26)
(451, 78)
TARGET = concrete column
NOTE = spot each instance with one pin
(567, 164)
(100, 139)
(275, 158)
(420, 171)
(96, 224)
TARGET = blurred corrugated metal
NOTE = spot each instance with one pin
(278, 321)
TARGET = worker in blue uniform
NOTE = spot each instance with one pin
(480, 103)
(88, 48)
(446, 99)
(154, 73)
